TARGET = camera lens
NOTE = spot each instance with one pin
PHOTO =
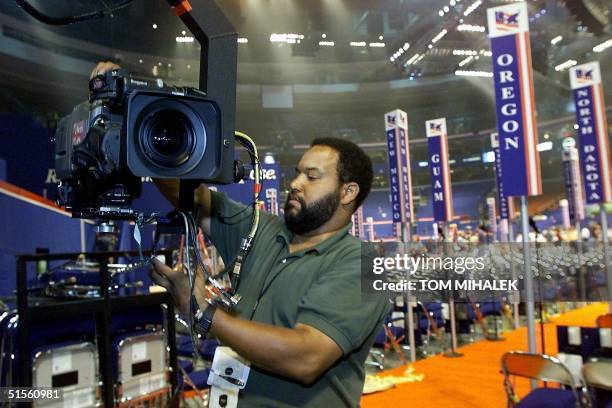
(167, 138)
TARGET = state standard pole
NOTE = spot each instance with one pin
(580, 269)
(606, 252)
(529, 301)
(451, 307)
(516, 296)
(408, 318)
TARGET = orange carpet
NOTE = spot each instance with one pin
(474, 380)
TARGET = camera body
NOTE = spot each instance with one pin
(132, 128)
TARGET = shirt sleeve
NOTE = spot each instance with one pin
(336, 306)
(229, 223)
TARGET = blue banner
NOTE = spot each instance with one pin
(400, 182)
(440, 179)
(594, 148)
(504, 202)
(569, 190)
(514, 100)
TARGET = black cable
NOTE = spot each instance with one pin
(43, 18)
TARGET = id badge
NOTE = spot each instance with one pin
(222, 398)
(228, 375)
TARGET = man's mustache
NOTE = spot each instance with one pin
(296, 198)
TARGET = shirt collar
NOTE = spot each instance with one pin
(286, 235)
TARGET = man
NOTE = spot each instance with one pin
(301, 322)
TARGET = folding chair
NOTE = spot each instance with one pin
(140, 368)
(543, 368)
(598, 378)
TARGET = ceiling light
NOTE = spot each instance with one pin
(406, 46)
(565, 65)
(466, 61)
(377, 44)
(140, 61)
(484, 74)
(452, 2)
(545, 146)
(438, 36)
(183, 32)
(446, 9)
(556, 40)
(441, 13)
(488, 157)
(472, 159)
(188, 66)
(603, 46)
(412, 59)
(169, 65)
(380, 37)
(289, 38)
(243, 40)
(357, 43)
(472, 7)
(486, 53)
(159, 63)
(471, 27)
(323, 35)
(465, 52)
(184, 39)
(326, 43)
(155, 26)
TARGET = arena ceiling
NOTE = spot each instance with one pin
(342, 63)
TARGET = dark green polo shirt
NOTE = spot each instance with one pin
(320, 287)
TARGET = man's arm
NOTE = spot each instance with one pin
(169, 188)
(302, 353)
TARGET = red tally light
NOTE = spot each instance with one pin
(182, 8)
(257, 188)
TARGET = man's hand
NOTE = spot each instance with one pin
(177, 284)
(102, 68)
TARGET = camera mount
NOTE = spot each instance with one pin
(218, 71)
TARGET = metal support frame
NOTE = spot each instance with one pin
(218, 74)
(409, 317)
(529, 296)
(451, 306)
(606, 252)
(101, 309)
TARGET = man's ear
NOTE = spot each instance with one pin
(349, 193)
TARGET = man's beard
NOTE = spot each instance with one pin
(309, 218)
